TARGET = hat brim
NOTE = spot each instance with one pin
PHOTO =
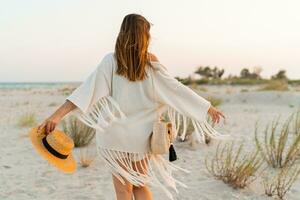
(67, 165)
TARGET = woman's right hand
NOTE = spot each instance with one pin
(48, 125)
(215, 114)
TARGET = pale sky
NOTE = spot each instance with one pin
(64, 40)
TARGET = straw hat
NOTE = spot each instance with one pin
(56, 148)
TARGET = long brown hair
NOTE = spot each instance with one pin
(131, 49)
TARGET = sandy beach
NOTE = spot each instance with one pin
(25, 175)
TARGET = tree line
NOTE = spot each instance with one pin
(216, 75)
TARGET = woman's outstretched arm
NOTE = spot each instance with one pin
(95, 86)
(182, 97)
(50, 123)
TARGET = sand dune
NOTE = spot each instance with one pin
(24, 175)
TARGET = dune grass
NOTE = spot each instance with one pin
(296, 123)
(229, 165)
(82, 136)
(78, 131)
(27, 120)
(189, 131)
(275, 85)
(282, 182)
(215, 101)
(86, 160)
(280, 147)
(52, 104)
(66, 91)
(87, 154)
(244, 90)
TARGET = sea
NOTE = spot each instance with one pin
(34, 85)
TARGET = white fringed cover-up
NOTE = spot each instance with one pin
(124, 119)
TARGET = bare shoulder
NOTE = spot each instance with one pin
(160, 67)
(153, 57)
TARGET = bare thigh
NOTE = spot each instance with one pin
(123, 189)
(141, 192)
(141, 166)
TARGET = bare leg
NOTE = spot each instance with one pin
(141, 192)
(123, 191)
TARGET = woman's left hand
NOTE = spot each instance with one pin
(215, 114)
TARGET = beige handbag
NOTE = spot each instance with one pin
(162, 134)
(161, 137)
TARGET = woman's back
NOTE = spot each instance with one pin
(133, 96)
(121, 100)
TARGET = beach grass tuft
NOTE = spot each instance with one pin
(229, 165)
(276, 85)
(279, 146)
(190, 130)
(27, 120)
(282, 182)
(78, 131)
(215, 101)
(52, 104)
(244, 90)
(87, 154)
(66, 91)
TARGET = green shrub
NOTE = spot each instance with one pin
(294, 82)
(245, 81)
(202, 81)
(185, 81)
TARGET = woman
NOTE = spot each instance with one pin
(121, 99)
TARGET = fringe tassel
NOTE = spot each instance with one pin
(172, 153)
(102, 114)
(202, 128)
(152, 167)
(141, 169)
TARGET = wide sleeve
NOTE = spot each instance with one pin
(172, 92)
(95, 105)
(95, 86)
(183, 104)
